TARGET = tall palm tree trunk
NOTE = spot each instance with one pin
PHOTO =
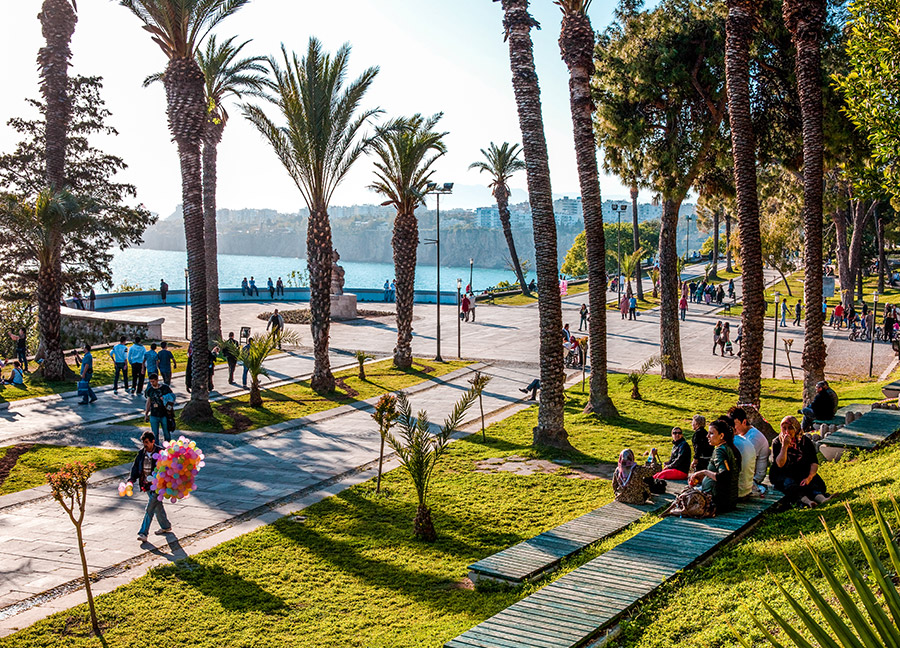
(405, 243)
(212, 135)
(728, 267)
(501, 193)
(576, 44)
(318, 255)
(186, 100)
(842, 252)
(671, 364)
(714, 273)
(58, 21)
(739, 27)
(804, 19)
(636, 231)
(517, 23)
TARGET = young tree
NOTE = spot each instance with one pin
(361, 357)
(318, 145)
(517, 25)
(89, 173)
(576, 45)
(385, 416)
(419, 450)
(406, 149)
(501, 162)
(69, 487)
(178, 27)
(665, 65)
(805, 20)
(479, 381)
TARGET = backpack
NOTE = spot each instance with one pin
(692, 502)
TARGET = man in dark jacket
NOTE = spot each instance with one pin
(680, 460)
(231, 352)
(141, 471)
(822, 408)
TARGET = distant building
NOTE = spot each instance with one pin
(568, 211)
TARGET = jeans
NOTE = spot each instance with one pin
(155, 422)
(154, 507)
(137, 377)
(782, 319)
(808, 417)
(232, 365)
(23, 358)
(166, 376)
(387, 295)
(533, 387)
(683, 313)
(91, 397)
(246, 373)
(120, 366)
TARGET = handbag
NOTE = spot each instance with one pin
(656, 486)
(692, 502)
(170, 418)
(83, 386)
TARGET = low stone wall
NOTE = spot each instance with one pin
(89, 327)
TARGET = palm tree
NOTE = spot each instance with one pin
(226, 75)
(318, 146)
(740, 25)
(576, 45)
(255, 353)
(805, 19)
(406, 150)
(517, 23)
(178, 27)
(57, 24)
(628, 263)
(501, 162)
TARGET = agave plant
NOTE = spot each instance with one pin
(871, 626)
(419, 451)
(361, 357)
(479, 381)
(254, 354)
(636, 377)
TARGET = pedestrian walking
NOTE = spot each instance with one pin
(583, 324)
(163, 290)
(245, 349)
(784, 310)
(798, 309)
(87, 372)
(119, 355)
(141, 470)
(632, 308)
(717, 333)
(725, 340)
(158, 395)
(731, 294)
(683, 306)
(279, 288)
(271, 285)
(472, 305)
(166, 361)
(136, 356)
(151, 360)
(623, 306)
(92, 298)
(245, 287)
(464, 307)
(230, 351)
(276, 323)
(21, 340)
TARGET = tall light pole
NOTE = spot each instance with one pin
(186, 289)
(446, 188)
(458, 318)
(872, 331)
(471, 270)
(775, 343)
(615, 208)
(687, 242)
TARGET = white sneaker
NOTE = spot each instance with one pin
(142, 537)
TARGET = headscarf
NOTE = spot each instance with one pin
(626, 466)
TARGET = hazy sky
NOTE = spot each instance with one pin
(434, 56)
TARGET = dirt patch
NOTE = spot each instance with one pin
(525, 467)
(239, 422)
(302, 315)
(351, 393)
(8, 462)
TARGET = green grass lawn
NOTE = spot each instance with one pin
(104, 370)
(521, 300)
(32, 467)
(351, 574)
(295, 400)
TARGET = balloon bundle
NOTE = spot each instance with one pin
(177, 464)
(126, 488)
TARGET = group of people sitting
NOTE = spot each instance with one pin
(724, 464)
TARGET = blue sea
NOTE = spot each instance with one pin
(146, 267)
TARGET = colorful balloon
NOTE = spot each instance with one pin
(176, 467)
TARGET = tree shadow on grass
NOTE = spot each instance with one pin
(234, 592)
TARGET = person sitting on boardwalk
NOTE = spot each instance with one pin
(700, 443)
(795, 468)
(744, 429)
(680, 460)
(720, 479)
(822, 408)
(629, 483)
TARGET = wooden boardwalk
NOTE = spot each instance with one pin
(535, 556)
(578, 606)
(867, 432)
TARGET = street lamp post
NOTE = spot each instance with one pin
(186, 289)
(458, 319)
(872, 331)
(615, 208)
(775, 343)
(446, 188)
(687, 242)
(471, 270)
